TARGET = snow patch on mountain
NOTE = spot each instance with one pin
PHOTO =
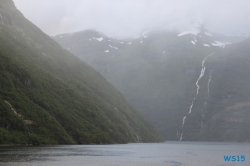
(106, 51)
(193, 42)
(194, 32)
(206, 45)
(220, 44)
(113, 47)
(99, 39)
(208, 34)
(129, 43)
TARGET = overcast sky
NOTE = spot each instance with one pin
(130, 17)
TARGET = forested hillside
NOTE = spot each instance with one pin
(49, 96)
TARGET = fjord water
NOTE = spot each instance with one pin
(140, 154)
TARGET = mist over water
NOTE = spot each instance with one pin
(167, 154)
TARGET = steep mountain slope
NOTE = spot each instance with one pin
(228, 103)
(170, 77)
(48, 96)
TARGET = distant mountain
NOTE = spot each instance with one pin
(49, 96)
(189, 84)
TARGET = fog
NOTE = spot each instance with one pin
(129, 17)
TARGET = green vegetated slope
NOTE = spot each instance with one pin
(48, 96)
(157, 72)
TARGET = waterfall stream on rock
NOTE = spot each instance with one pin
(203, 69)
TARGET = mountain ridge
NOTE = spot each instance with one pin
(158, 71)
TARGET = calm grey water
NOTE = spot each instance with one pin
(151, 154)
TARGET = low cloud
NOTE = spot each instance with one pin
(130, 17)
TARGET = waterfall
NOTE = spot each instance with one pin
(208, 83)
(138, 140)
(13, 23)
(183, 122)
(181, 137)
(205, 104)
(108, 68)
(203, 69)
(190, 109)
(1, 18)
